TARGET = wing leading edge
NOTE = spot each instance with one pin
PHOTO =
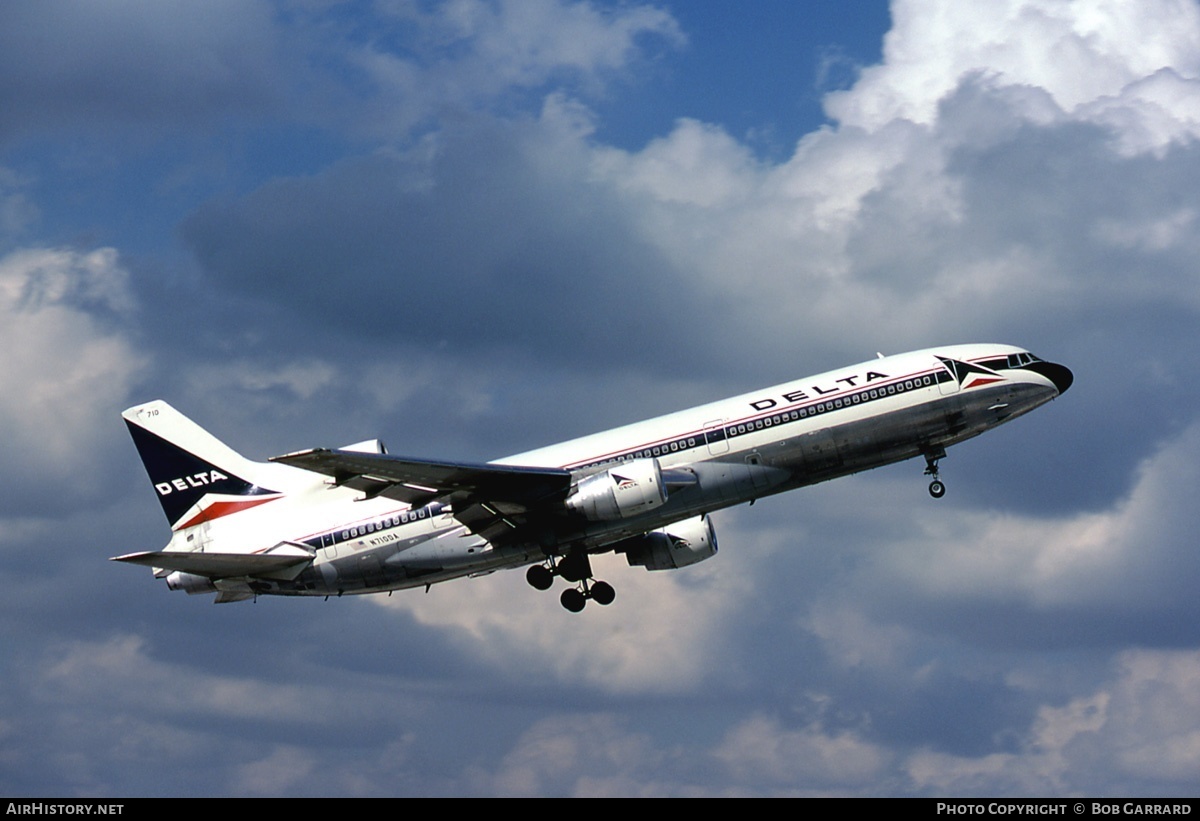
(419, 481)
(492, 501)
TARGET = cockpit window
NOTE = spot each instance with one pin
(1013, 360)
(1020, 360)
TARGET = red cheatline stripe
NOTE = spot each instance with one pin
(218, 509)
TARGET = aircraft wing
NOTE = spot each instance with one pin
(418, 481)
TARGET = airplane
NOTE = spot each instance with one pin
(354, 520)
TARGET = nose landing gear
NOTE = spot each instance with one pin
(936, 488)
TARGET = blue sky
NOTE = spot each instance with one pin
(473, 228)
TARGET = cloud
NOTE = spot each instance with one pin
(759, 751)
(117, 63)
(17, 211)
(573, 756)
(70, 364)
(1077, 54)
(1113, 577)
(949, 216)
(455, 274)
(1139, 728)
(426, 65)
(666, 637)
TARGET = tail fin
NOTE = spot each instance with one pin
(197, 477)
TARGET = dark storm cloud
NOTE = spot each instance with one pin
(131, 63)
(492, 250)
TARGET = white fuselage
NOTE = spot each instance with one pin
(733, 451)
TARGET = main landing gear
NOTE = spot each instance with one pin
(576, 568)
(936, 488)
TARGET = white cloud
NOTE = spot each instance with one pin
(302, 378)
(287, 770)
(762, 752)
(696, 164)
(121, 669)
(69, 364)
(522, 41)
(1150, 113)
(598, 755)
(1131, 558)
(1140, 727)
(470, 53)
(663, 634)
(1079, 52)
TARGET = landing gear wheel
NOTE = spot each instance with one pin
(574, 567)
(603, 593)
(539, 577)
(572, 599)
(936, 489)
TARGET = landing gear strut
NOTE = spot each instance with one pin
(576, 568)
(936, 488)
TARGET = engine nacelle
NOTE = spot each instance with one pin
(679, 545)
(620, 492)
(193, 584)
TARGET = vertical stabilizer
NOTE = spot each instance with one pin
(196, 476)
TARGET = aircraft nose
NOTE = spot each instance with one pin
(1060, 375)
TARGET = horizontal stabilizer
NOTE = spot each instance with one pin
(284, 561)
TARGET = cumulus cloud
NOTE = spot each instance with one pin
(1077, 53)
(69, 366)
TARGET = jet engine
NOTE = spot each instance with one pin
(620, 492)
(678, 545)
(193, 584)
